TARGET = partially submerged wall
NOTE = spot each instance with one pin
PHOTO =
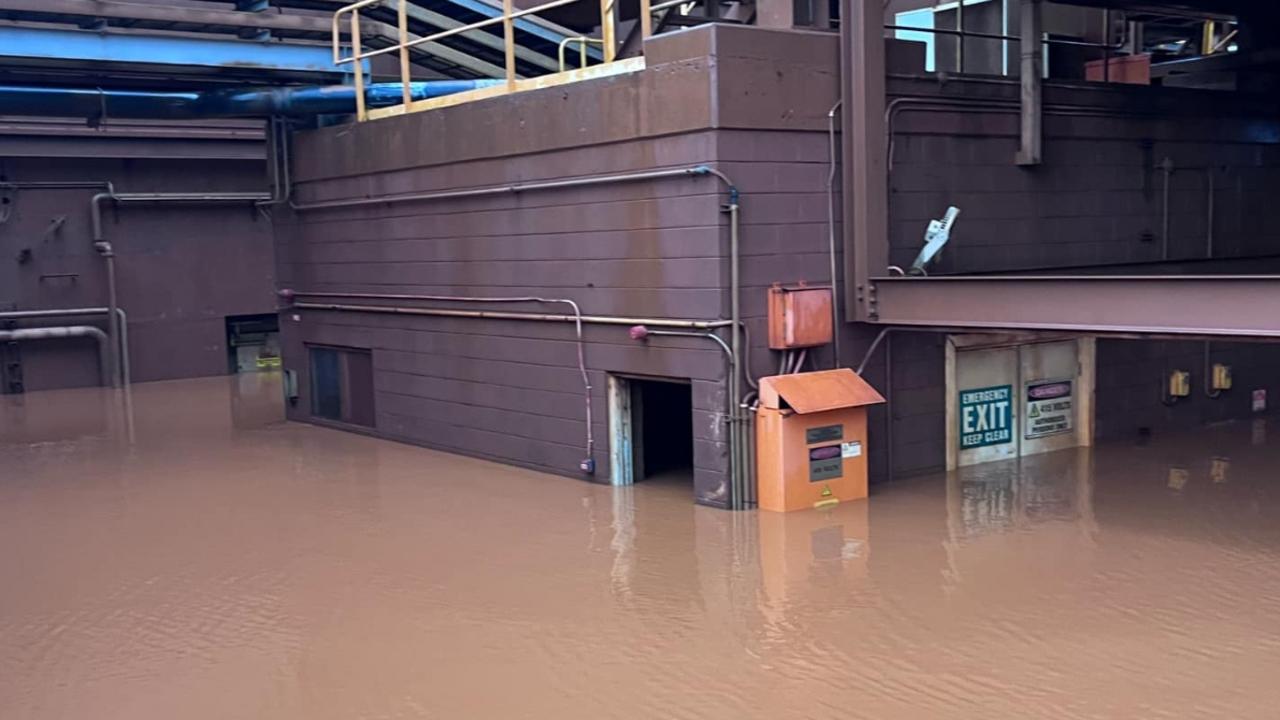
(181, 269)
(751, 102)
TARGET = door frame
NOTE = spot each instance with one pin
(1086, 376)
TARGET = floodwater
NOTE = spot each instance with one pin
(226, 565)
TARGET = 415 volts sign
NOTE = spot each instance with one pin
(986, 416)
(1049, 408)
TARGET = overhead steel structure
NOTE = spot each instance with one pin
(1187, 299)
(257, 40)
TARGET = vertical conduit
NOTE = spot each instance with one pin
(831, 236)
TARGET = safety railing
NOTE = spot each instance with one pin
(583, 42)
(962, 34)
(406, 41)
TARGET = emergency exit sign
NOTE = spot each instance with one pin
(986, 416)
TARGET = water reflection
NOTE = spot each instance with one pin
(229, 565)
(1002, 496)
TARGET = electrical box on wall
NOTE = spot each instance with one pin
(811, 437)
(799, 317)
(1221, 377)
(1179, 384)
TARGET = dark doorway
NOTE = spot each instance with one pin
(662, 422)
(253, 343)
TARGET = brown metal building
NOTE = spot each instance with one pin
(1133, 233)
(547, 272)
(182, 269)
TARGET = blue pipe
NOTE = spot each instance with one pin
(187, 105)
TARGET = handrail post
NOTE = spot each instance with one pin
(582, 52)
(606, 30)
(403, 19)
(356, 52)
(509, 43)
(646, 21)
(337, 37)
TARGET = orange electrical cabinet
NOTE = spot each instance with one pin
(799, 317)
(811, 439)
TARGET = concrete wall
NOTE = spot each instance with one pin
(181, 269)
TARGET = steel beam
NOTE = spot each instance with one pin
(531, 24)
(185, 16)
(1199, 305)
(480, 37)
(866, 178)
(26, 46)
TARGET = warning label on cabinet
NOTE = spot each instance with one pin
(1049, 408)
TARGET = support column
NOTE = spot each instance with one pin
(1032, 76)
(865, 178)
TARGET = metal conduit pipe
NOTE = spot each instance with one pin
(576, 319)
(504, 189)
(884, 332)
(122, 348)
(831, 235)
(1209, 392)
(594, 319)
(70, 331)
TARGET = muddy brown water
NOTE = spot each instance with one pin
(227, 565)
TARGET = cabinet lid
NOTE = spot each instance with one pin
(813, 392)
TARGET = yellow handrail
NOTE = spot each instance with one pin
(507, 18)
(583, 41)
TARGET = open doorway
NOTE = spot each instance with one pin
(253, 343)
(651, 430)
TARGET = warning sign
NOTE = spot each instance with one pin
(1050, 410)
(986, 416)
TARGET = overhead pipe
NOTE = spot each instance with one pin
(220, 103)
(121, 348)
(514, 188)
(831, 234)
(70, 331)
